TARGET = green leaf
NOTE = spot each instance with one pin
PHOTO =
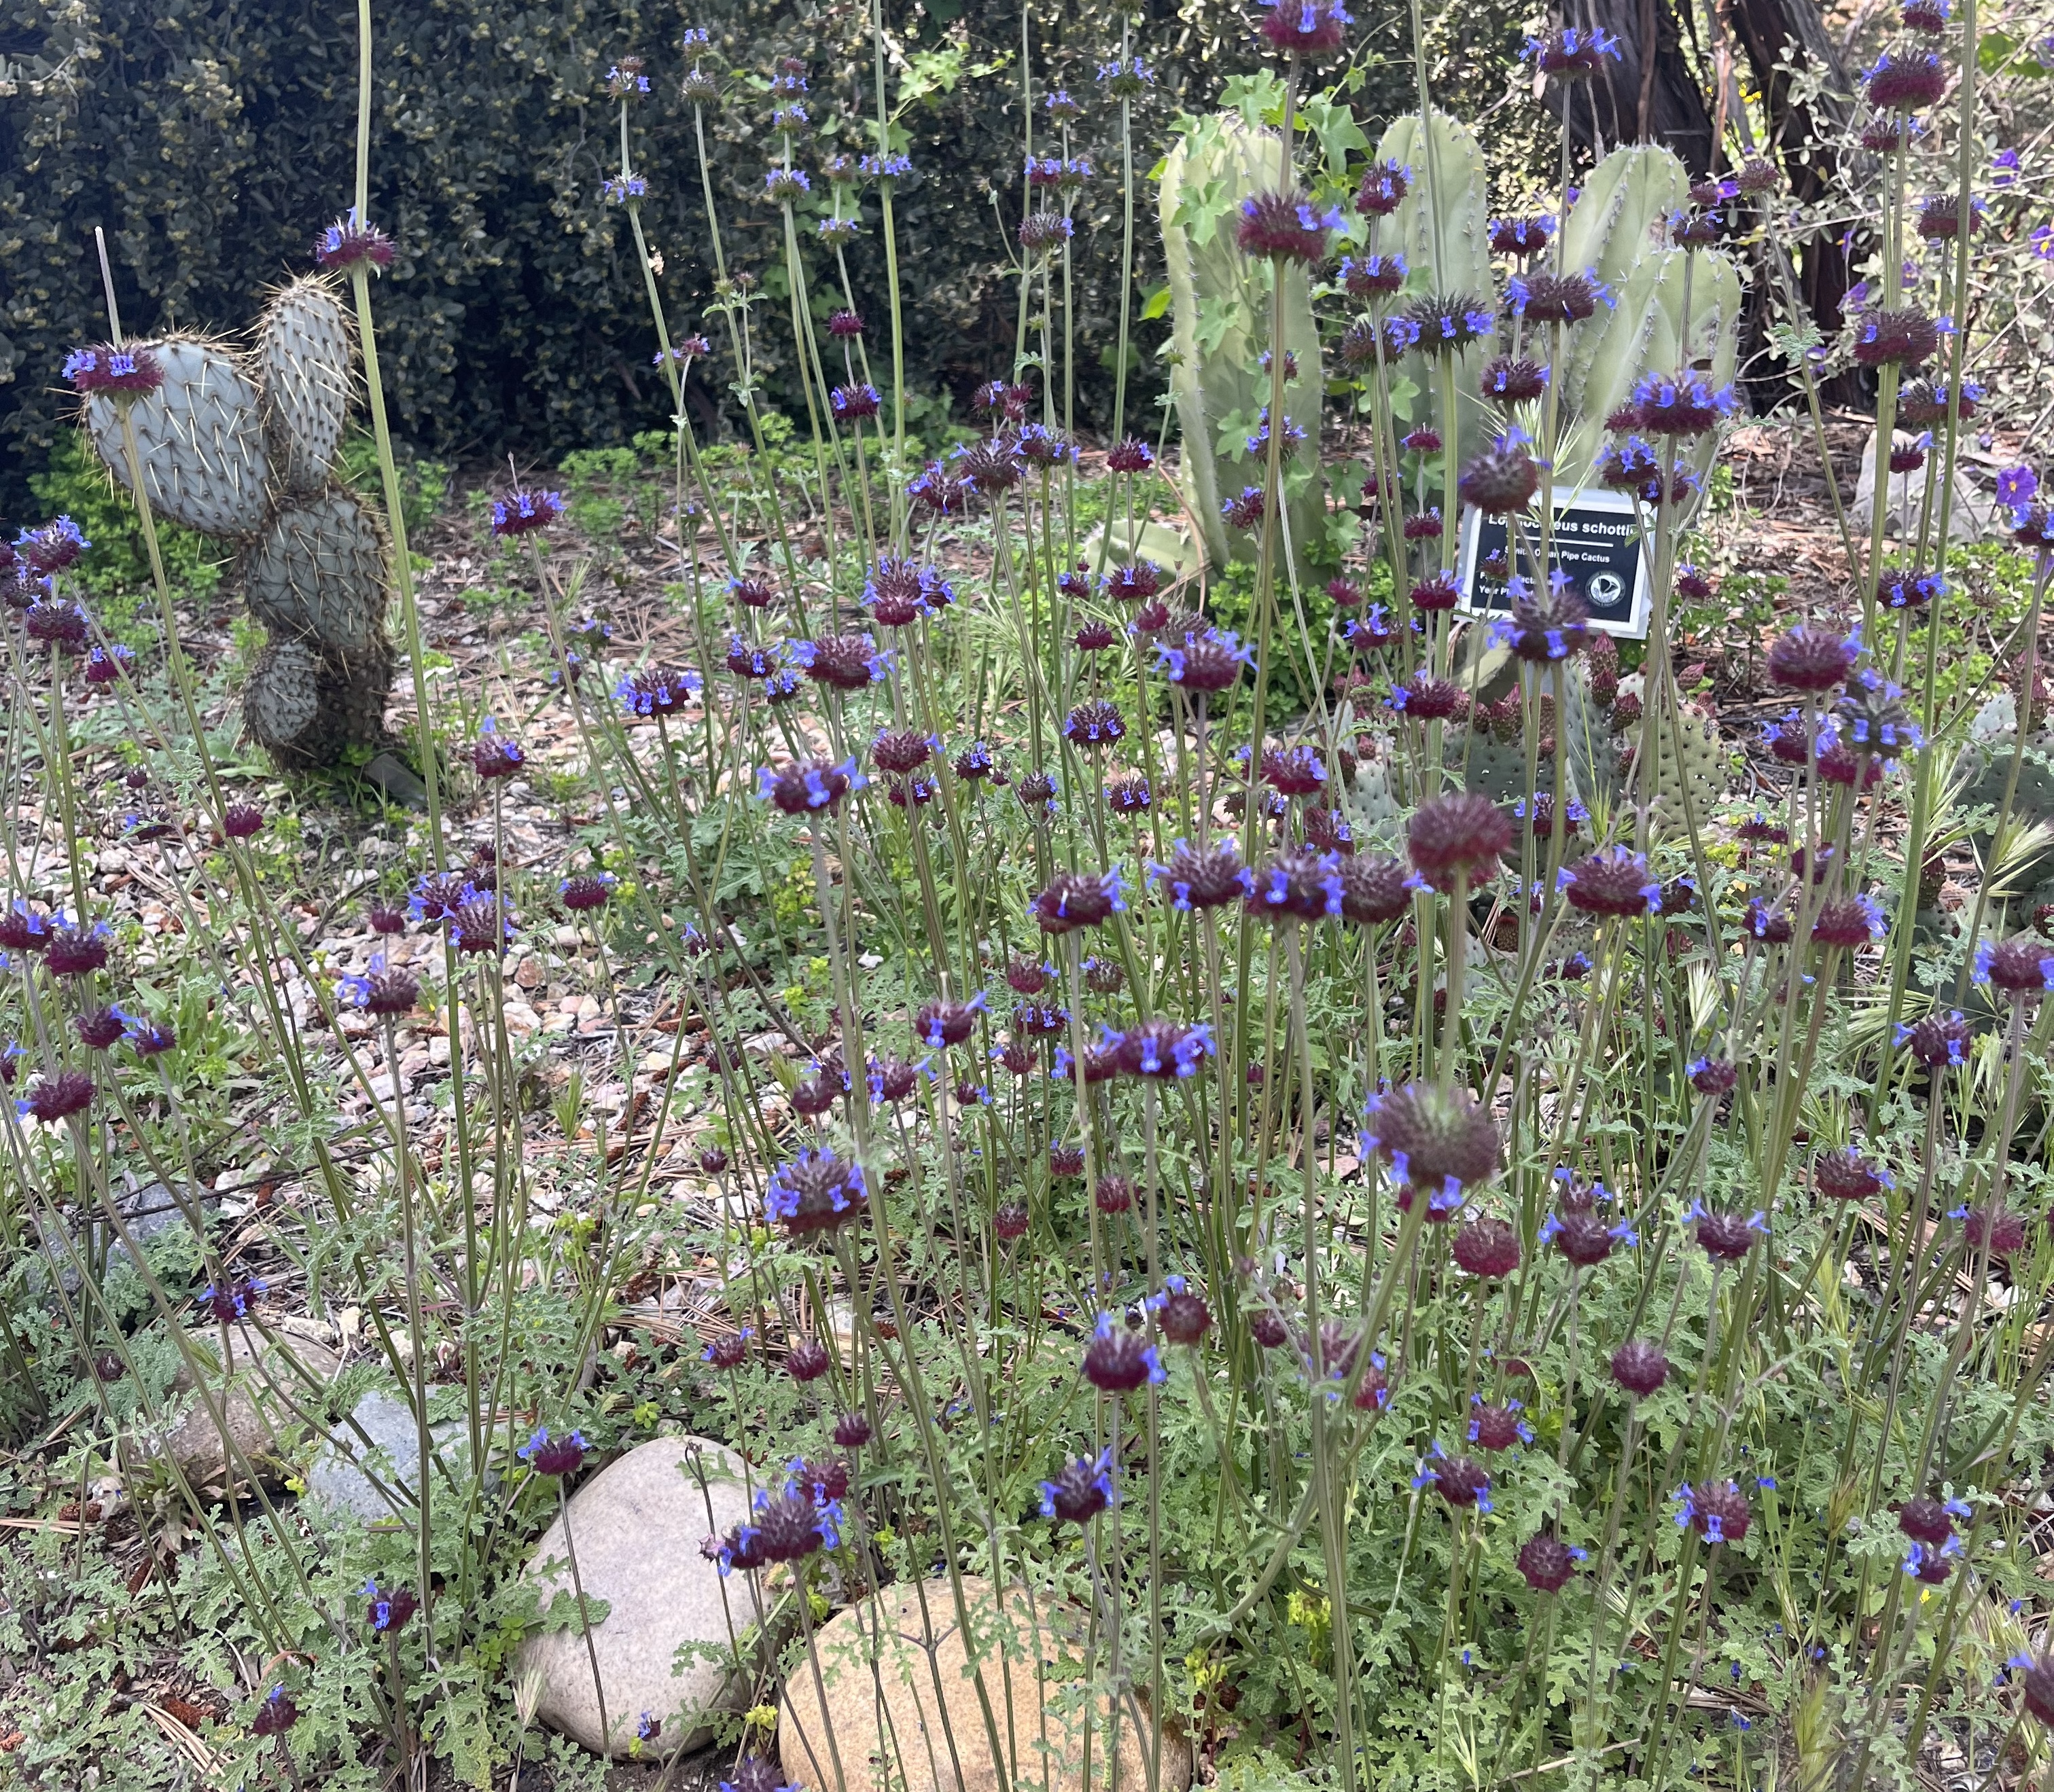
(1996, 52)
(1157, 304)
(1339, 136)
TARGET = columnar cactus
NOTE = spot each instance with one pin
(1442, 229)
(1221, 303)
(243, 447)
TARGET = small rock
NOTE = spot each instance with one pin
(397, 781)
(1028, 1656)
(267, 1379)
(1972, 515)
(664, 1646)
(380, 1482)
(529, 973)
(521, 1020)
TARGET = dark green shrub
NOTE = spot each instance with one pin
(211, 143)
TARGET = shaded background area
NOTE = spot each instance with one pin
(212, 139)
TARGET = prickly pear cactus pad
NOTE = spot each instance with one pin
(282, 700)
(302, 361)
(244, 448)
(306, 706)
(318, 571)
(199, 437)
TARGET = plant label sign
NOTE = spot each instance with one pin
(1596, 542)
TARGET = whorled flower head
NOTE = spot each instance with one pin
(816, 1192)
(123, 373)
(1440, 1140)
(1502, 479)
(1297, 885)
(1580, 1234)
(1118, 1360)
(74, 949)
(1487, 1247)
(1613, 881)
(1546, 297)
(1547, 625)
(1284, 226)
(482, 923)
(1570, 53)
(1640, 1366)
(1519, 238)
(1718, 1510)
(61, 627)
(1304, 27)
(554, 1456)
(810, 788)
(1446, 321)
(1844, 1173)
(1903, 80)
(55, 1095)
(1081, 1490)
(1373, 276)
(1205, 662)
(1207, 877)
(1440, 592)
(1113, 1194)
(1510, 379)
(1458, 835)
(349, 245)
(1460, 1480)
(386, 1612)
(1042, 232)
(382, 990)
(1424, 698)
(1680, 405)
(2021, 967)
(1373, 889)
(1726, 1237)
(1383, 189)
(1495, 1425)
(1931, 1522)
(842, 663)
(1075, 899)
(1848, 923)
(1875, 719)
(1895, 336)
(1181, 1312)
(1547, 1562)
(941, 1025)
(1161, 1048)
(1923, 403)
(275, 1716)
(1094, 723)
(1812, 660)
(521, 512)
(658, 690)
(1938, 1041)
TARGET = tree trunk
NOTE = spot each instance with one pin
(1649, 95)
(1766, 29)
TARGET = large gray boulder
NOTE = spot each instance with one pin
(667, 1647)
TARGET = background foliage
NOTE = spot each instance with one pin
(211, 138)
